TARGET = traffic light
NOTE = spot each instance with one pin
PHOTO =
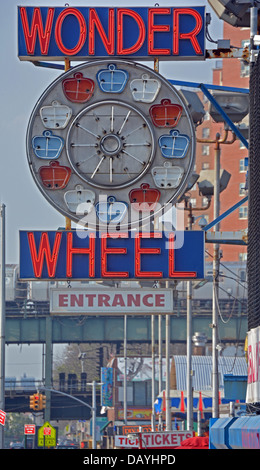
(43, 401)
(32, 401)
(37, 401)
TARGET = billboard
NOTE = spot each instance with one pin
(72, 254)
(83, 33)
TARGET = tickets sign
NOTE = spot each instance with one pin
(118, 255)
(110, 301)
(153, 440)
(82, 33)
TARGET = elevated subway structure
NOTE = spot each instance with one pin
(28, 310)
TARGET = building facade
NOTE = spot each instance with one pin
(231, 73)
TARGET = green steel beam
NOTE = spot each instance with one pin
(105, 330)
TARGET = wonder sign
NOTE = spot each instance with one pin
(52, 33)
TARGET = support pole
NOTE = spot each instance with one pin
(2, 319)
(94, 415)
(48, 367)
(125, 369)
(215, 378)
(189, 346)
(160, 362)
(167, 357)
(153, 372)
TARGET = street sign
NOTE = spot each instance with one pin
(110, 301)
(47, 436)
(121, 255)
(2, 417)
(29, 429)
(111, 142)
(52, 33)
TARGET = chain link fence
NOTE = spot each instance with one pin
(254, 200)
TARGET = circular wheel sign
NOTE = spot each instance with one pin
(111, 142)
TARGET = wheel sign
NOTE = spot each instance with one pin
(111, 142)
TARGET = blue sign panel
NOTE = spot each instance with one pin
(46, 33)
(120, 255)
(107, 386)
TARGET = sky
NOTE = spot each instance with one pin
(21, 86)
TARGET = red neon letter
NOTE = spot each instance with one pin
(44, 252)
(152, 28)
(108, 41)
(82, 31)
(120, 29)
(36, 25)
(81, 251)
(145, 251)
(108, 251)
(172, 272)
(192, 35)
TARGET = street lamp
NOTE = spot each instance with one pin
(194, 104)
(234, 12)
(235, 105)
(206, 182)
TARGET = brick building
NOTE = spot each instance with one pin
(233, 73)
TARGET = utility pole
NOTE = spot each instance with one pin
(2, 319)
(188, 207)
(125, 369)
(215, 379)
(216, 210)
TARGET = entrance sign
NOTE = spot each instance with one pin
(110, 301)
(52, 33)
(119, 255)
(111, 142)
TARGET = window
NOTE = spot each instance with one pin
(204, 204)
(243, 212)
(242, 272)
(205, 166)
(205, 133)
(243, 165)
(242, 190)
(205, 149)
(193, 202)
(242, 257)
